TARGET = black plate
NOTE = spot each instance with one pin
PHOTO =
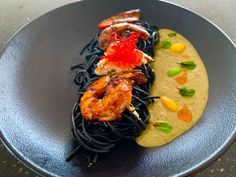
(37, 92)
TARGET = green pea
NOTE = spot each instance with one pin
(174, 71)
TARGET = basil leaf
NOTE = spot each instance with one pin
(174, 71)
(163, 126)
(166, 44)
(189, 65)
(186, 92)
(172, 34)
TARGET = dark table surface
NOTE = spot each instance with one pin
(15, 13)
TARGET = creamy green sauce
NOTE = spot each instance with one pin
(167, 86)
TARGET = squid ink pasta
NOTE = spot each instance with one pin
(97, 137)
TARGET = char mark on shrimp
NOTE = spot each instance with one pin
(131, 16)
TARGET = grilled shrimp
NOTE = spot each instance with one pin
(104, 38)
(108, 97)
(131, 16)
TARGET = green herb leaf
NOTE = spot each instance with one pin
(186, 92)
(174, 71)
(172, 34)
(189, 65)
(166, 44)
(163, 126)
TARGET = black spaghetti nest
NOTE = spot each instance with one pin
(100, 137)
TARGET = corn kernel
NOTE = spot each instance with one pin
(177, 47)
(169, 104)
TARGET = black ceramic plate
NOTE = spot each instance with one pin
(37, 92)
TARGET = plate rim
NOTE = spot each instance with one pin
(192, 171)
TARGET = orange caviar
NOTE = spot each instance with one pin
(123, 52)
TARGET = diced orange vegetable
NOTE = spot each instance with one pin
(183, 78)
(184, 114)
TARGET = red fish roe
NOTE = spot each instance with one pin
(123, 52)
